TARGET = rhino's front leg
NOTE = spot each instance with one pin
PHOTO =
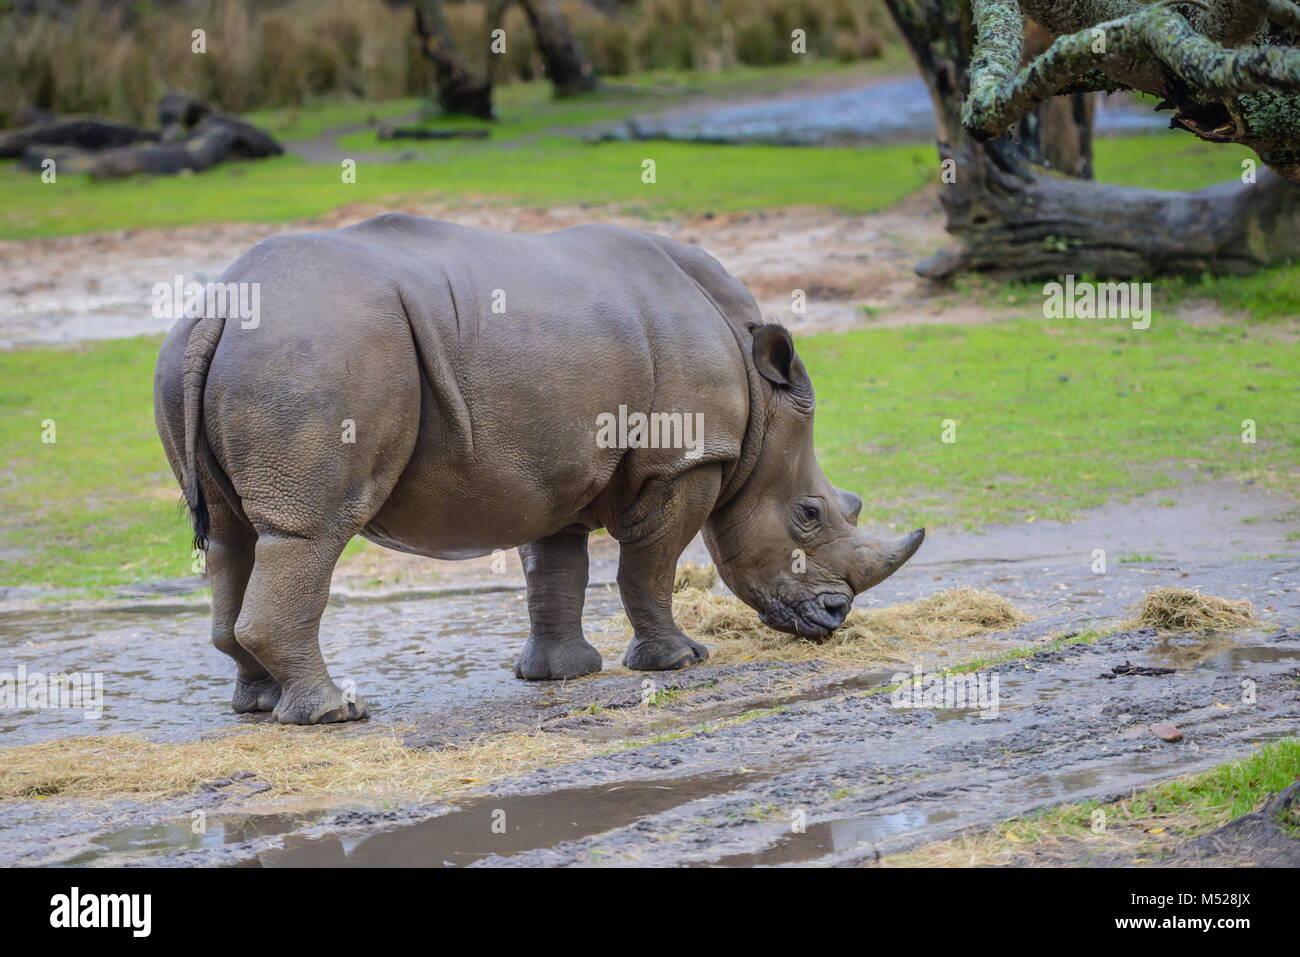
(648, 564)
(556, 571)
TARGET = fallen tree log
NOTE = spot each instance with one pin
(193, 138)
(214, 140)
(80, 132)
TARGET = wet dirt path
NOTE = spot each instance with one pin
(743, 749)
(853, 269)
(868, 776)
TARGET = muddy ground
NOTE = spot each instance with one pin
(854, 269)
(743, 748)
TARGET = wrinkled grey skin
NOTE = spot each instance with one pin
(476, 430)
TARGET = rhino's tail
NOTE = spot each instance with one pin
(198, 357)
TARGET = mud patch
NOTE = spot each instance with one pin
(493, 826)
(865, 776)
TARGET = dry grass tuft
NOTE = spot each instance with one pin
(291, 760)
(880, 635)
(1179, 609)
(691, 575)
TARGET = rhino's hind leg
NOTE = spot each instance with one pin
(229, 567)
(556, 570)
(280, 625)
(647, 566)
(230, 554)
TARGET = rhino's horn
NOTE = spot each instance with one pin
(878, 560)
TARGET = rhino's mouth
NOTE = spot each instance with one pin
(815, 618)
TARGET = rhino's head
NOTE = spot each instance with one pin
(788, 542)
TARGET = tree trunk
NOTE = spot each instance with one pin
(1014, 218)
(459, 91)
(567, 66)
(1061, 139)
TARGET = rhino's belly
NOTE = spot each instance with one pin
(465, 511)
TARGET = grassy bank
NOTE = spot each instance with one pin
(1051, 418)
(691, 179)
(1144, 826)
(536, 154)
(542, 170)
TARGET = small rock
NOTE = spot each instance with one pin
(1166, 731)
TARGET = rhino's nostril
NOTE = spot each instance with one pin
(836, 604)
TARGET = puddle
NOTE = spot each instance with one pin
(1235, 659)
(829, 837)
(502, 826)
(169, 836)
(163, 679)
(867, 775)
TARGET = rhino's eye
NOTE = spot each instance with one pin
(810, 512)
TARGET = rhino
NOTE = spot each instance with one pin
(450, 391)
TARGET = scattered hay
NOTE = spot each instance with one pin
(1178, 609)
(290, 760)
(899, 633)
(691, 575)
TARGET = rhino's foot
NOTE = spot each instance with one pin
(323, 703)
(669, 652)
(551, 660)
(260, 695)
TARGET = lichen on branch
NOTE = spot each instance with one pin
(1151, 48)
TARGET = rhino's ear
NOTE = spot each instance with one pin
(773, 353)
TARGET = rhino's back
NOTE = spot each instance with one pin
(564, 325)
(523, 341)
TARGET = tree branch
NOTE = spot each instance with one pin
(1282, 12)
(1000, 93)
(1094, 81)
(1230, 22)
(1071, 16)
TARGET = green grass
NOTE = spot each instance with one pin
(1199, 802)
(536, 155)
(691, 179)
(1160, 816)
(1272, 293)
(290, 123)
(99, 507)
(1167, 160)
(1269, 295)
(1052, 418)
